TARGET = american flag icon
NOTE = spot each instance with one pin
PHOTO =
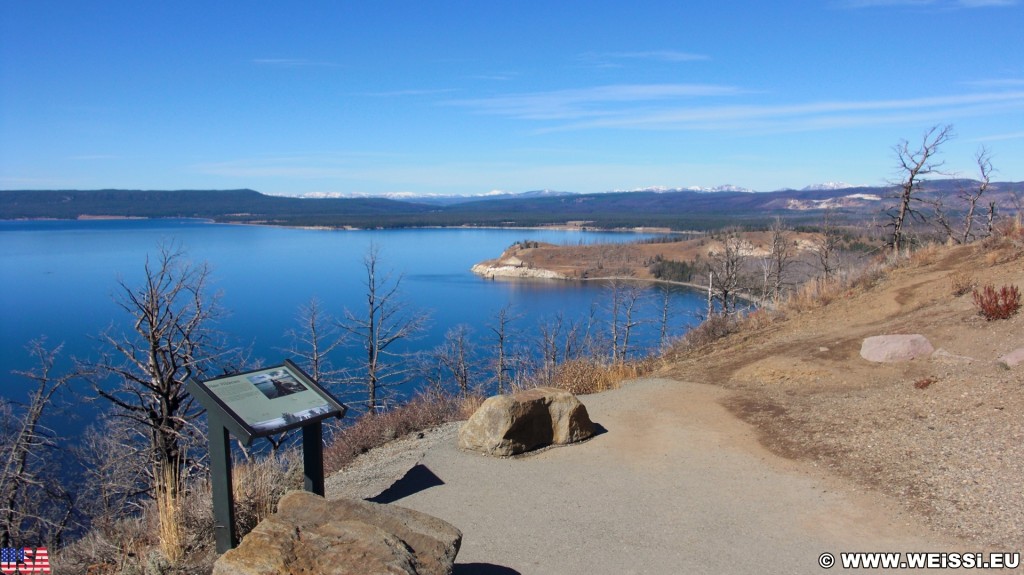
(24, 561)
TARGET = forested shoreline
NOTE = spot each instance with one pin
(676, 210)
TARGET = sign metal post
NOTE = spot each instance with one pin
(256, 404)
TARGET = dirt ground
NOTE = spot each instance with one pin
(944, 436)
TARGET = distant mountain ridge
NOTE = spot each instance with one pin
(650, 207)
(436, 199)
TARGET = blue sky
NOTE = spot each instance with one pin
(469, 97)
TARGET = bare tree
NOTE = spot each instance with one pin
(502, 334)
(914, 165)
(314, 341)
(666, 315)
(33, 505)
(781, 258)
(725, 266)
(626, 298)
(456, 356)
(171, 340)
(572, 347)
(549, 332)
(991, 218)
(827, 247)
(386, 321)
(117, 476)
(969, 198)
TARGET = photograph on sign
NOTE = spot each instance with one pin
(277, 383)
(269, 398)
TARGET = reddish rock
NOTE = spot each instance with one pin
(896, 348)
(1014, 358)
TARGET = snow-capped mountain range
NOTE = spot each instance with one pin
(500, 194)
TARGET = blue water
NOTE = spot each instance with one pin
(60, 278)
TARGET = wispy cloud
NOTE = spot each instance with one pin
(302, 167)
(997, 83)
(497, 77)
(1001, 137)
(14, 182)
(615, 59)
(94, 157)
(670, 107)
(986, 3)
(410, 92)
(942, 4)
(587, 102)
(293, 63)
(875, 3)
(299, 166)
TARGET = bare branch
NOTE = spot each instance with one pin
(387, 321)
(32, 505)
(914, 165)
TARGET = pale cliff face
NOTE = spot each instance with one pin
(501, 268)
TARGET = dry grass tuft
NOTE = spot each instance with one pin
(168, 506)
(1006, 241)
(871, 275)
(585, 375)
(260, 483)
(709, 331)
(761, 318)
(961, 282)
(815, 294)
(373, 430)
(926, 254)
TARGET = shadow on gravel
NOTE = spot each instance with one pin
(483, 569)
(417, 479)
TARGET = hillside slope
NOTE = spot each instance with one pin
(945, 435)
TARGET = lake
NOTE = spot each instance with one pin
(60, 278)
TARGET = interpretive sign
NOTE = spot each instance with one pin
(267, 401)
(257, 404)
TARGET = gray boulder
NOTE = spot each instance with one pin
(310, 534)
(510, 424)
(896, 348)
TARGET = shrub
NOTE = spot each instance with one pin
(1000, 304)
(373, 430)
(926, 254)
(961, 283)
(587, 375)
(815, 294)
(712, 329)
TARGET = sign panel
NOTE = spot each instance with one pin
(271, 400)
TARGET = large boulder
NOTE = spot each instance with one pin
(896, 348)
(510, 424)
(310, 534)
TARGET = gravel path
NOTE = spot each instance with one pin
(676, 484)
